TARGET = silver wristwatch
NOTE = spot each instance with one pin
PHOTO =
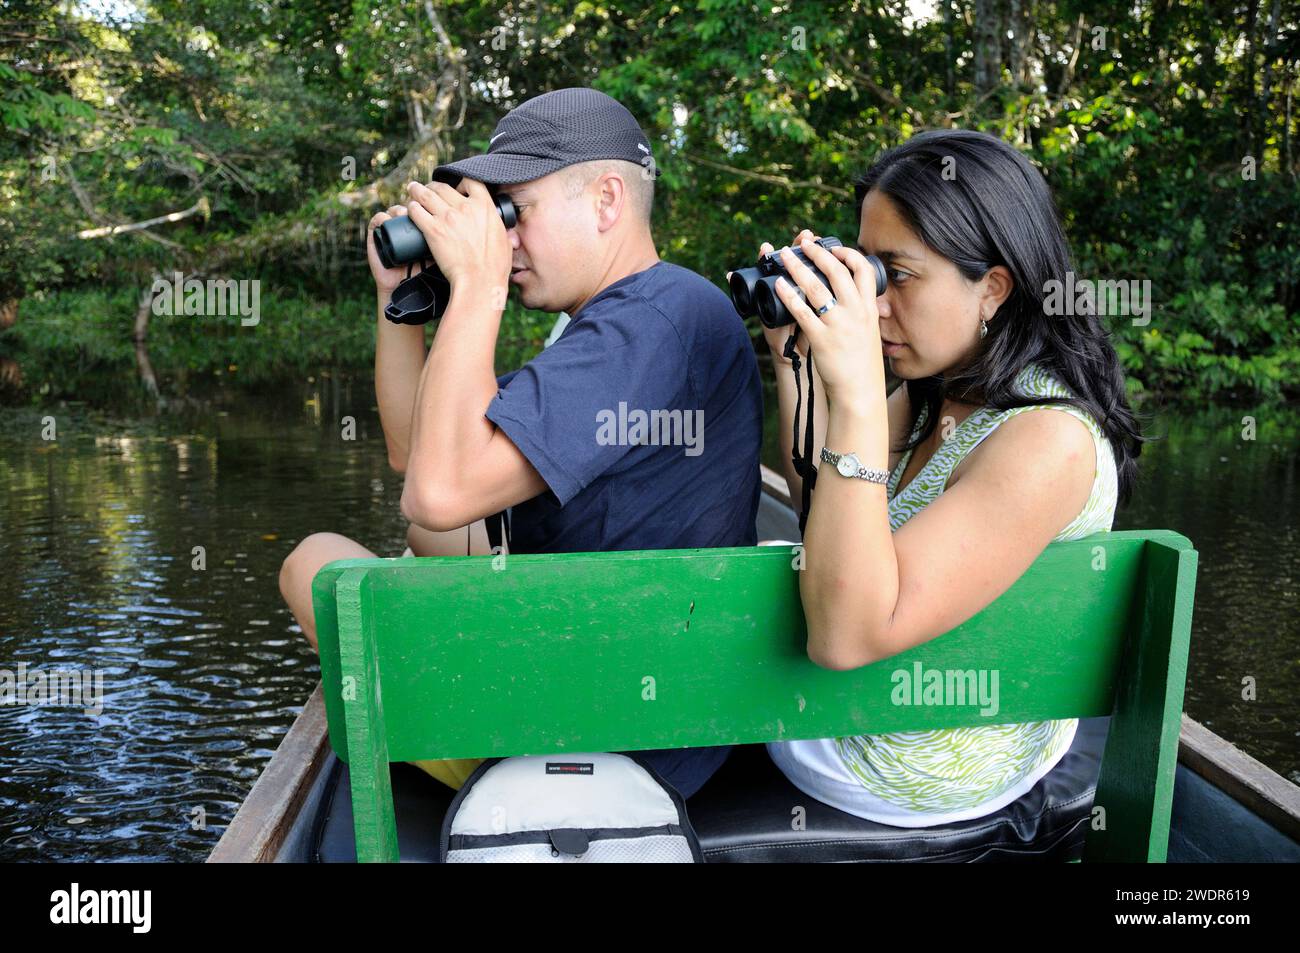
(849, 465)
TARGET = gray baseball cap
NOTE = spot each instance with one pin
(551, 131)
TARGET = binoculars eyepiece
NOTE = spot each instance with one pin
(753, 290)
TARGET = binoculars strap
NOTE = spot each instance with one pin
(498, 526)
(802, 459)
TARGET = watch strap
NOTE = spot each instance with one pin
(869, 474)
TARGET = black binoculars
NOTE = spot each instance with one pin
(399, 242)
(753, 290)
(421, 298)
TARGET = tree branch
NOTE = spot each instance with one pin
(199, 207)
(781, 180)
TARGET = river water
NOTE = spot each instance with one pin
(204, 670)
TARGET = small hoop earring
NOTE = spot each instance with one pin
(984, 329)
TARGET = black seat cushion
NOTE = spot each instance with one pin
(744, 814)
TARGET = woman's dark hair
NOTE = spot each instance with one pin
(994, 208)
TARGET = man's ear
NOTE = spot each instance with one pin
(611, 200)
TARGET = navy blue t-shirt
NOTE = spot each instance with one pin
(645, 419)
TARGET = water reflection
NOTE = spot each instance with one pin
(155, 558)
(153, 553)
(1238, 500)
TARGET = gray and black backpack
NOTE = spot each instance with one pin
(567, 809)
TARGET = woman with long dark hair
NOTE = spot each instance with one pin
(1012, 430)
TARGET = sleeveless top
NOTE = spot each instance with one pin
(923, 778)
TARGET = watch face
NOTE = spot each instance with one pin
(848, 464)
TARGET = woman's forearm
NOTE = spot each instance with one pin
(850, 582)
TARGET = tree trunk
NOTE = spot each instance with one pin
(948, 44)
(142, 312)
(1266, 82)
(1286, 125)
(1249, 98)
(11, 375)
(1076, 42)
(1016, 43)
(988, 48)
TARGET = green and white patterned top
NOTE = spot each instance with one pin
(921, 778)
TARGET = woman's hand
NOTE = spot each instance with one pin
(776, 337)
(846, 339)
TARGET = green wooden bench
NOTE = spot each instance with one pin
(459, 657)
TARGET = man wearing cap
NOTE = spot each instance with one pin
(552, 452)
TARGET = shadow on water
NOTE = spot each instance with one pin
(204, 668)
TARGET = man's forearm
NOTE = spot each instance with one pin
(784, 434)
(399, 361)
(449, 429)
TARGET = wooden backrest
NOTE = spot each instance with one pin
(488, 656)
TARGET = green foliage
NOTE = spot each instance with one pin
(1167, 139)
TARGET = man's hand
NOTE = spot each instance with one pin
(386, 279)
(466, 236)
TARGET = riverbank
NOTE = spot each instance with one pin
(78, 345)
